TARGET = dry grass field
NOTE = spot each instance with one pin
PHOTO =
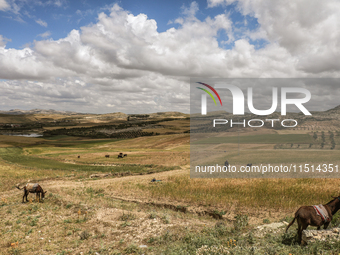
(126, 213)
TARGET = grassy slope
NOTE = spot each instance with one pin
(163, 231)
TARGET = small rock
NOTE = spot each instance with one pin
(27, 237)
(143, 246)
(309, 236)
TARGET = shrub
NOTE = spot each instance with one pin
(126, 217)
(84, 235)
(240, 222)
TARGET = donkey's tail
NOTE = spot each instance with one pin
(291, 223)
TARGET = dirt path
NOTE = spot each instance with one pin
(109, 181)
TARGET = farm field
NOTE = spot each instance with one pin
(125, 213)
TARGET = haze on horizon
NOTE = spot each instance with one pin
(138, 56)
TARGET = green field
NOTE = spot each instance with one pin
(15, 155)
(258, 139)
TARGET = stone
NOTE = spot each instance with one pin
(268, 228)
(100, 175)
(310, 236)
(271, 226)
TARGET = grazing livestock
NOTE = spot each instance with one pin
(78, 156)
(226, 163)
(107, 156)
(121, 155)
(315, 216)
(250, 164)
(33, 188)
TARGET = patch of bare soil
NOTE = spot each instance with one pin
(141, 227)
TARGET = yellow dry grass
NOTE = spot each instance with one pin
(78, 205)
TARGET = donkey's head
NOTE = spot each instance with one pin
(336, 202)
(338, 197)
(43, 194)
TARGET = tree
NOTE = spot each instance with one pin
(323, 137)
(322, 145)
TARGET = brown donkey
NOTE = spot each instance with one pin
(33, 188)
(306, 215)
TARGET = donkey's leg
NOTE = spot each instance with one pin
(304, 227)
(299, 232)
(26, 194)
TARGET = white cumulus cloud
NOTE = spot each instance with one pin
(4, 5)
(122, 62)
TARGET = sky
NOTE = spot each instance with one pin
(138, 56)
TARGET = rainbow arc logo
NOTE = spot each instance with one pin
(204, 97)
(209, 93)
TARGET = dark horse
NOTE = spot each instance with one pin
(33, 188)
(306, 215)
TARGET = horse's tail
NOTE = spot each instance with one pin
(291, 223)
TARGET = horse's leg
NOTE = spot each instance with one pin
(23, 197)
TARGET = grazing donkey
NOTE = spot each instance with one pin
(226, 163)
(33, 188)
(315, 216)
(107, 156)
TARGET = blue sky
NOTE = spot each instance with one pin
(37, 20)
(138, 56)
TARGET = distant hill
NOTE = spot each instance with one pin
(169, 115)
(38, 111)
(53, 116)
